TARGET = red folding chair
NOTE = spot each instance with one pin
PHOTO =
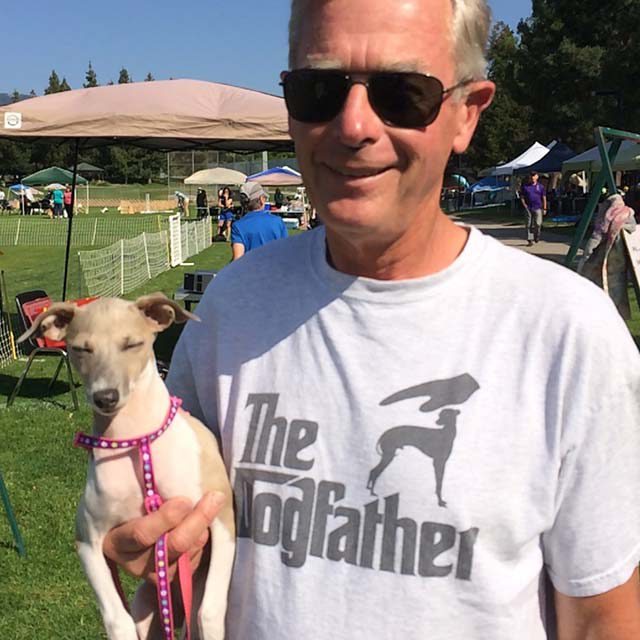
(30, 304)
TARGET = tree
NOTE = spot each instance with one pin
(91, 80)
(504, 129)
(124, 77)
(15, 96)
(64, 85)
(33, 93)
(567, 56)
(54, 84)
(149, 77)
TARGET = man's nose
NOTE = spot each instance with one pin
(358, 124)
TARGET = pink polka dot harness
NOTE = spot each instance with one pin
(152, 502)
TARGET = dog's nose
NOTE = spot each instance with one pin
(106, 399)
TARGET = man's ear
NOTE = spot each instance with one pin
(52, 323)
(161, 312)
(471, 106)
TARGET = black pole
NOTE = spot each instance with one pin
(70, 223)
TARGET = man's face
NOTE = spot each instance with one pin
(366, 178)
(534, 178)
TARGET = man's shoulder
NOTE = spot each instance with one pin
(547, 291)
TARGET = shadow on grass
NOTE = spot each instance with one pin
(37, 388)
(10, 546)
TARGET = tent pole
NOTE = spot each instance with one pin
(70, 222)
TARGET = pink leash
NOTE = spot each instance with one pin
(152, 502)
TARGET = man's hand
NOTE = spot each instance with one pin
(131, 544)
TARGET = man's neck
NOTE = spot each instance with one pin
(432, 245)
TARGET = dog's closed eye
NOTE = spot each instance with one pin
(79, 349)
(132, 345)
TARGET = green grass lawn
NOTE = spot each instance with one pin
(45, 595)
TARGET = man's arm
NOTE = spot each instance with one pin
(614, 615)
(237, 250)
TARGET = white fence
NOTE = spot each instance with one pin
(85, 232)
(127, 264)
(194, 237)
(7, 346)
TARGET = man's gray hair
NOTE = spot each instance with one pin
(469, 32)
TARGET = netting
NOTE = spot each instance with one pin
(86, 232)
(129, 263)
(194, 237)
(7, 346)
(124, 265)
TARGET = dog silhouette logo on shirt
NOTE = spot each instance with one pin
(436, 444)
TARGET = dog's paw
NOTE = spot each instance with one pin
(122, 629)
(209, 628)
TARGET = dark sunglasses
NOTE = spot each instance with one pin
(401, 99)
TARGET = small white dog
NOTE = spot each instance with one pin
(143, 449)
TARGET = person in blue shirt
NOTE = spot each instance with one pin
(258, 226)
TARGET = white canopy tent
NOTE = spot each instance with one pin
(216, 176)
(532, 155)
(628, 159)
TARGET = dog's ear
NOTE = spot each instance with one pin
(52, 323)
(162, 312)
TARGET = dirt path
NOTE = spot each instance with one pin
(552, 246)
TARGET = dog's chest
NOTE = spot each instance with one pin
(115, 483)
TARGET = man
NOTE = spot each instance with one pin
(412, 436)
(534, 200)
(202, 206)
(183, 203)
(257, 226)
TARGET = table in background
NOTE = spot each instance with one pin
(188, 297)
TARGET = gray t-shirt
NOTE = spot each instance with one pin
(408, 456)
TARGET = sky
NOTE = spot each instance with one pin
(239, 42)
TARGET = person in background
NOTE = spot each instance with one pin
(183, 203)
(67, 200)
(202, 205)
(468, 452)
(534, 200)
(58, 203)
(278, 198)
(257, 226)
(225, 217)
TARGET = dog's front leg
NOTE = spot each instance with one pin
(211, 617)
(117, 622)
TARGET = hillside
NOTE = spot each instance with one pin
(5, 98)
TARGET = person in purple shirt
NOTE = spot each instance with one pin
(257, 226)
(534, 200)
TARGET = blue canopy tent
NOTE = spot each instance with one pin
(277, 177)
(491, 186)
(21, 191)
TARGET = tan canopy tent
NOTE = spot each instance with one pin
(163, 115)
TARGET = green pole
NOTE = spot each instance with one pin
(605, 176)
(12, 519)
